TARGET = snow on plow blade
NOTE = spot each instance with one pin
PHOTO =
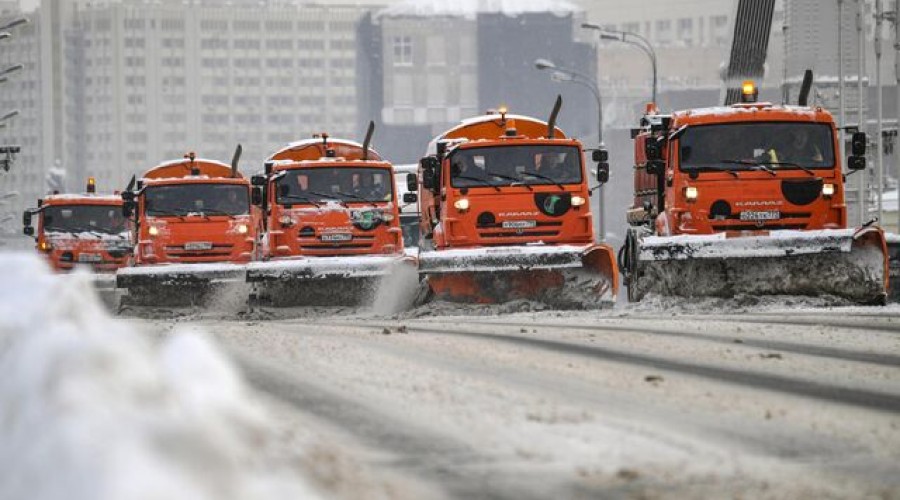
(564, 276)
(320, 281)
(848, 263)
(893, 244)
(174, 285)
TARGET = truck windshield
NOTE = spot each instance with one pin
(105, 219)
(515, 165)
(197, 199)
(342, 184)
(409, 224)
(748, 146)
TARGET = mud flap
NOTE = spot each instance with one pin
(846, 263)
(178, 285)
(320, 281)
(565, 276)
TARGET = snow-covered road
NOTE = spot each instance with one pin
(629, 403)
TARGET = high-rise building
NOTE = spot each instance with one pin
(111, 88)
(424, 65)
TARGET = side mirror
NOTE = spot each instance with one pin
(856, 163)
(412, 182)
(128, 195)
(652, 149)
(600, 156)
(258, 180)
(858, 144)
(431, 171)
(410, 197)
(28, 230)
(26, 218)
(256, 195)
(603, 172)
(128, 207)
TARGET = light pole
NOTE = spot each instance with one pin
(568, 75)
(634, 39)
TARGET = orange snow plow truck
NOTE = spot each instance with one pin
(748, 199)
(505, 215)
(195, 230)
(332, 224)
(81, 230)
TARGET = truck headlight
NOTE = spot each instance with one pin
(690, 193)
(827, 190)
(153, 231)
(242, 228)
(461, 204)
(45, 246)
(577, 201)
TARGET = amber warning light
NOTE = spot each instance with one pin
(749, 92)
(91, 185)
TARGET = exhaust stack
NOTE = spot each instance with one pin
(551, 124)
(803, 99)
(368, 140)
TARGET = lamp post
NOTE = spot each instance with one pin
(568, 75)
(636, 40)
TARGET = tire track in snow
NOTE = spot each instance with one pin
(454, 467)
(857, 397)
(888, 360)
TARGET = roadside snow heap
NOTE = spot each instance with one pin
(89, 409)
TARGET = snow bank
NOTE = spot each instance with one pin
(89, 409)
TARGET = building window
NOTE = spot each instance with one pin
(403, 51)
(663, 31)
(686, 31)
(719, 25)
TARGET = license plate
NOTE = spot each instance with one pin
(519, 224)
(198, 245)
(89, 257)
(761, 215)
(337, 237)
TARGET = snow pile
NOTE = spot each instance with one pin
(469, 9)
(91, 410)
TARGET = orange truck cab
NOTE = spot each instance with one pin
(194, 223)
(753, 184)
(505, 214)
(332, 223)
(81, 229)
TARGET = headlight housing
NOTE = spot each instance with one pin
(578, 201)
(690, 193)
(45, 246)
(827, 190)
(242, 228)
(153, 231)
(461, 204)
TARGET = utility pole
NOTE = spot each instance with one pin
(842, 108)
(860, 71)
(879, 140)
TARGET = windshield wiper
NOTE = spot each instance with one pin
(725, 169)
(544, 177)
(357, 197)
(214, 211)
(297, 197)
(792, 164)
(515, 181)
(476, 179)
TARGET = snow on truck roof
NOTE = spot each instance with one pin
(344, 147)
(471, 8)
(530, 124)
(770, 111)
(103, 199)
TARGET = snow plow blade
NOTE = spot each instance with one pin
(320, 281)
(564, 276)
(893, 245)
(848, 263)
(178, 285)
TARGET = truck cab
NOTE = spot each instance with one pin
(192, 211)
(497, 180)
(80, 229)
(750, 167)
(327, 197)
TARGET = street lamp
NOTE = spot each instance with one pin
(638, 41)
(11, 69)
(15, 22)
(568, 75)
(9, 115)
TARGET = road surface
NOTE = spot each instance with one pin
(620, 404)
